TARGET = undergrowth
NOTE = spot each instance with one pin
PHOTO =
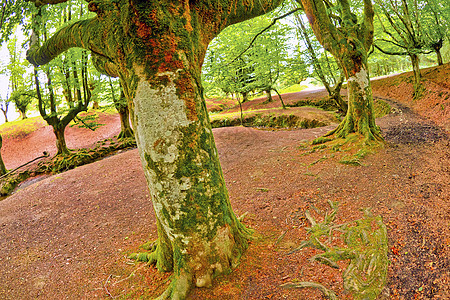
(366, 248)
(269, 121)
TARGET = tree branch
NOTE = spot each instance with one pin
(261, 32)
(83, 34)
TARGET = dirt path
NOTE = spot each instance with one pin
(67, 236)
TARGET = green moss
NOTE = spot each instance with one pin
(366, 248)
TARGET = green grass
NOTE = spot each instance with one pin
(21, 127)
(293, 89)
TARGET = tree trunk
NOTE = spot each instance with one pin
(95, 105)
(360, 115)
(416, 70)
(198, 234)
(244, 97)
(269, 96)
(23, 114)
(439, 57)
(3, 169)
(125, 128)
(5, 113)
(60, 140)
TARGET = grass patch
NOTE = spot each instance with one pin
(293, 89)
(21, 128)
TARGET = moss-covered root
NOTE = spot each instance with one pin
(371, 132)
(126, 133)
(178, 288)
(326, 292)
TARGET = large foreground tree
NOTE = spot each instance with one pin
(157, 47)
(348, 39)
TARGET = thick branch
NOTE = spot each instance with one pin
(324, 30)
(83, 34)
(105, 65)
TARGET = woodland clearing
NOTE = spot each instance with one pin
(67, 236)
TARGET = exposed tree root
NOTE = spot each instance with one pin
(127, 133)
(366, 241)
(326, 292)
(355, 146)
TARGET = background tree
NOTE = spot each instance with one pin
(50, 105)
(4, 106)
(22, 98)
(326, 69)
(348, 41)
(403, 34)
(235, 65)
(157, 48)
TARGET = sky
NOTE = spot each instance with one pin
(4, 82)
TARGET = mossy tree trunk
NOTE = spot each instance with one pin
(416, 70)
(157, 49)
(60, 140)
(348, 44)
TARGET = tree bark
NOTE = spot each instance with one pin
(60, 140)
(269, 95)
(416, 70)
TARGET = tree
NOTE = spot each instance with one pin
(121, 104)
(49, 105)
(403, 34)
(22, 98)
(4, 105)
(157, 48)
(237, 65)
(348, 41)
(323, 69)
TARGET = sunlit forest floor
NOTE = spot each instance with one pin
(67, 236)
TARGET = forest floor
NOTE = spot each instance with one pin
(67, 236)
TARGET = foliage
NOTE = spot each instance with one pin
(268, 62)
(22, 98)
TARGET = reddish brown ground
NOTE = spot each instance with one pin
(67, 236)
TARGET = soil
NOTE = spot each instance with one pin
(67, 236)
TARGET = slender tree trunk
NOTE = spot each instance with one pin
(122, 107)
(281, 99)
(269, 96)
(416, 70)
(5, 113)
(3, 169)
(439, 57)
